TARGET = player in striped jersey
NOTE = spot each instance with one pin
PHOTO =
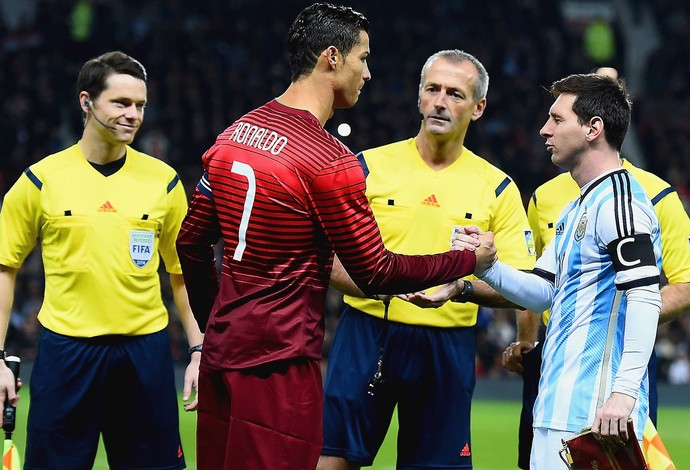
(524, 355)
(284, 195)
(599, 276)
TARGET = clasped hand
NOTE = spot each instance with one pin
(472, 238)
(468, 238)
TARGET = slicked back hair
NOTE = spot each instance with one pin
(318, 27)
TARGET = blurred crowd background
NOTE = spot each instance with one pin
(213, 60)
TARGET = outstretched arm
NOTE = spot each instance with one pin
(527, 289)
(481, 294)
(341, 281)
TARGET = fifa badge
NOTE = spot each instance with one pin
(141, 247)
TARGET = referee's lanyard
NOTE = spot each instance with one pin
(378, 375)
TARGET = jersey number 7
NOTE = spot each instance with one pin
(248, 172)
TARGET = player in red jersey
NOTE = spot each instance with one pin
(284, 195)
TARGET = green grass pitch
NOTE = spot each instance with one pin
(494, 436)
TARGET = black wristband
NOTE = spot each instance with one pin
(194, 349)
(467, 291)
(3, 354)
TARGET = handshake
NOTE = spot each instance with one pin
(468, 238)
(471, 238)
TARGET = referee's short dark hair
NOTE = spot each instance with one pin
(95, 72)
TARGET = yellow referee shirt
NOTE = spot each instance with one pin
(100, 240)
(417, 208)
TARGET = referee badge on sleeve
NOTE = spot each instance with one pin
(529, 240)
(141, 247)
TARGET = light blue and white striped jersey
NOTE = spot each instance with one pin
(606, 242)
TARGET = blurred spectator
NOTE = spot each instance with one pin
(679, 370)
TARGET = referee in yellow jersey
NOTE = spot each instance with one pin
(422, 360)
(104, 215)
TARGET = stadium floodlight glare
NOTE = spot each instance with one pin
(344, 129)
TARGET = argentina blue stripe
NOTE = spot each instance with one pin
(34, 179)
(595, 343)
(363, 162)
(173, 183)
(204, 186)
(566, 318)
(662, 195)
(504, 184)
(643, 409)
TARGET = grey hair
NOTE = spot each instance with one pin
(456, 56)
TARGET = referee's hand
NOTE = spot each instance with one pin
(8, 391)
(512, 356)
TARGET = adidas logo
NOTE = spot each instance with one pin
(107, 207)
(465, 452)
(431, 201)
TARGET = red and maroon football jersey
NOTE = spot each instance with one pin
(283, 195)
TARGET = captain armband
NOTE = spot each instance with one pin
(632, 252)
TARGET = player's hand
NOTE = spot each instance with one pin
(465, 238)
(611, 420)
(486, 253)
(190, 390)
(512, 356)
